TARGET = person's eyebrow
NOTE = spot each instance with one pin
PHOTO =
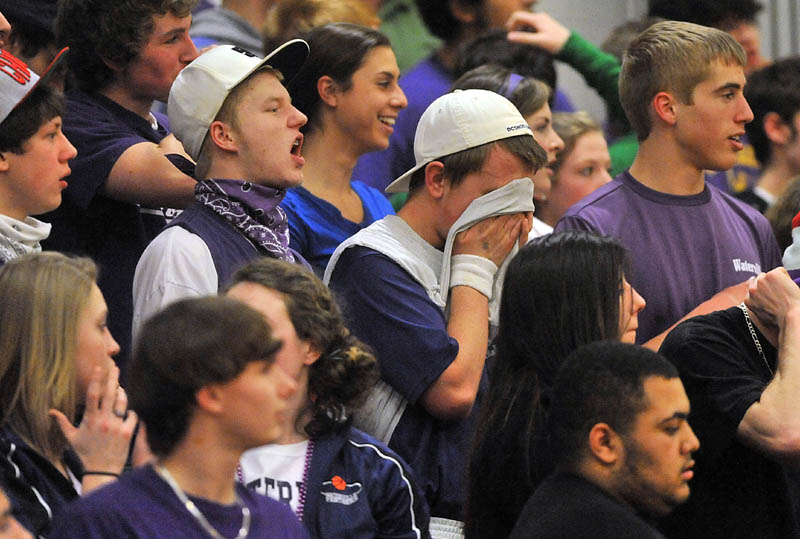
(729, 86)
(677, 415)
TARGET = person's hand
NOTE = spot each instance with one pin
(494, 237)
(104, 434)
(537, 29)
(771, 295)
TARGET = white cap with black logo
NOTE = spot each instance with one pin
(201, 87)
(459, 121)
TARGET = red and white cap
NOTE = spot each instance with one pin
(17, 80)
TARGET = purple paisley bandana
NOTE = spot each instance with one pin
(253, 209)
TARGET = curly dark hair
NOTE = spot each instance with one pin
(346, 370)
(100, 31)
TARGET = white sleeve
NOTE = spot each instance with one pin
(177, 264)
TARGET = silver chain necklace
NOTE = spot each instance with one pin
(197, 514)
(743, 307)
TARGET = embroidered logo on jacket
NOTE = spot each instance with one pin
(337, 490)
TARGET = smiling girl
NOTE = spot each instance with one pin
(348, 89)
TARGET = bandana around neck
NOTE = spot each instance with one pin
(253, 209)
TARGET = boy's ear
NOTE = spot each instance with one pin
(664, 104)
(605, 445)
(209, 398)
(222, 136)
(5, 164)
(776, 130)
(435, 179)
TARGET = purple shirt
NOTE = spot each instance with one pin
(684, 249)
(391, 312)
(142, 505)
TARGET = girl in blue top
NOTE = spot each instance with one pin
(348, 89)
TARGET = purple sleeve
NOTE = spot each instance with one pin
(573, 222)
(391, 312)
(100, 140)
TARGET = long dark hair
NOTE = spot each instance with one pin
(560, 291)
(337, 50)
(339, 381)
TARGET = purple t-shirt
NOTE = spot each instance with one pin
(142, 505)
(684, 249)
(112, 232)
(390, 311)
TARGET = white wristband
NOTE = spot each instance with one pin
(473, 271)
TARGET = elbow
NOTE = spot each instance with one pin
(450, 404)
(787, 444)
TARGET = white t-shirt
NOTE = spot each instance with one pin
(276, 470)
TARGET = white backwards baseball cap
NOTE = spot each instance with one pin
(201, 87)
(17, 80)
(459, 121)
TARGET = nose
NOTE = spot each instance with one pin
(69, 150)
(296, 118)
(638, 301)
(112, 346)
(190, 51)
(556, 143)
(399, 99)
(745, 112)
(691, 444)
(286, 385)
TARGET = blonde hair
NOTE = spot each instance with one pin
(292, 18)
(42, 297)
(571, 126)
(671, 56)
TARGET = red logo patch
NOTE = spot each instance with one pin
(338, 483)
(14, 68)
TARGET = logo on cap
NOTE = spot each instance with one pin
(14, 68)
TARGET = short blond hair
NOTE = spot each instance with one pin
(671, 56)
(42, 297)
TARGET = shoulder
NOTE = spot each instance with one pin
(373, 199)
(173, 244)
(272, 518)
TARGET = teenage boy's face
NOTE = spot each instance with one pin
(268, 135)
(500, 169)
(255, 403)
(168, 50)
(657, 467)
(708, 130)
(35, 177)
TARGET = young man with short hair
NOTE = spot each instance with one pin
(34, 156)
(417, 286)
(206, 396)
(235, 118)
(622, 444)
(774, 95)
(124, 55)
(682, 88)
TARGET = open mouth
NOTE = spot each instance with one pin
(297, 145)
(387, 120)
